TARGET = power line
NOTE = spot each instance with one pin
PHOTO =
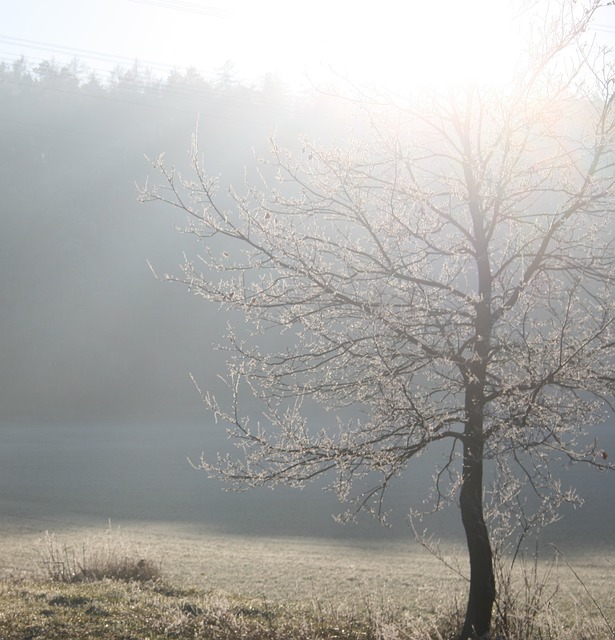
(89, 55)
(76, 52)
(205, 100)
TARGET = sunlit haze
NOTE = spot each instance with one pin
(393, 297)
(389, 44)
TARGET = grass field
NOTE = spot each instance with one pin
(290, 569)
(399, 580)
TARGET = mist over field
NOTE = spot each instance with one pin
(57, 476)
(97, 411)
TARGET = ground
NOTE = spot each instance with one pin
(325, 580)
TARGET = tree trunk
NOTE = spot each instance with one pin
(477, 622)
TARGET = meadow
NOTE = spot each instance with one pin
(277, 549)
(394, 575)
(365, 582)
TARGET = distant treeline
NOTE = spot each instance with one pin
(137, 78)
(86, 331)
(182, 90)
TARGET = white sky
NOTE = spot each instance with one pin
(384, 39)
(266, 36)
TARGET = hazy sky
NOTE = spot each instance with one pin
(389, 40)
(273, 35)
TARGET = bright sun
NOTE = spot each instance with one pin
(391, 43)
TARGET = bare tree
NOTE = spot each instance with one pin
(447, 275)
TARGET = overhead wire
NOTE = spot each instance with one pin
(164, 89)
(88, 54)
(203, 98)
(603, 28)
(164, 67)
(204, 92)
(161, 70)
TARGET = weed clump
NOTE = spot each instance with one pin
(108, 557)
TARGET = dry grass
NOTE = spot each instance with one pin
(114, 610)
(111, 610)
(109, 556)
(275, 588)
(392, 576)
(549, 600)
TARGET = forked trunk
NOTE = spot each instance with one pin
(477, 622)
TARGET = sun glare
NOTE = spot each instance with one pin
(392, 44)
(437, 43)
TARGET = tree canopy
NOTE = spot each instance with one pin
(447, 276)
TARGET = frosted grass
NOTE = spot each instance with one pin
(344, 575)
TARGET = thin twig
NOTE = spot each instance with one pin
(587, 591)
